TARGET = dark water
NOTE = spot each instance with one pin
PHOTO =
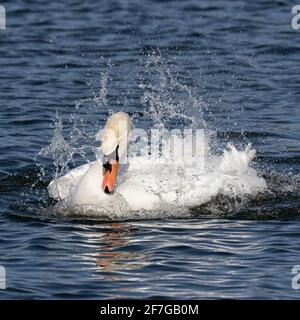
(241, 58)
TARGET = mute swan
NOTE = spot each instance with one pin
(143, 186)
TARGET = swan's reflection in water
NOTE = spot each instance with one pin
(115, 250)
(114, 256)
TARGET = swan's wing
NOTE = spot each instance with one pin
(60, 188)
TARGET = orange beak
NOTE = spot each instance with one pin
(110, 176)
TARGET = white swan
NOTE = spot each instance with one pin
(143, 186)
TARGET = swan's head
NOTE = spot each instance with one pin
(114, 148)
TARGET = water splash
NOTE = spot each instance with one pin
(225, 185)
(59, 149)
(74, 142)
(168, 102)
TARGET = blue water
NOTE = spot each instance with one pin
(240, 58)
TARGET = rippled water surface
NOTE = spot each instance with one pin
(233, 65)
